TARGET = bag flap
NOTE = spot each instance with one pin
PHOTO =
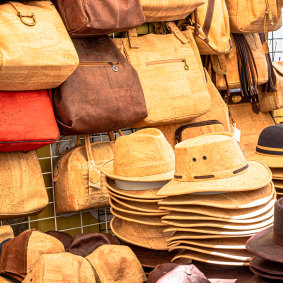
(278, 66)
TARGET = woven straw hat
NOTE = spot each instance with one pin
(266, 266)
(60, 267)
(116, 264)
(146, 236)
(269, 149)
(214, 163)
(143, 156)
(21, 252)
(234, 200)
(6, 232)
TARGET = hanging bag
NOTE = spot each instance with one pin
(36, 51)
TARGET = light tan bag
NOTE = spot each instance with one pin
(254, 15)
(36, 51)
(212, 28)
(171, 74)
(22, 187)
(79, 184)
(168, 10)
(272, 100)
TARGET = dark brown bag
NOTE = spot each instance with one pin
(102, 95)
(95, 17)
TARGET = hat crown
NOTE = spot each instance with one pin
(271, 137)
(212, 156)
(143, 153)
(278, 222)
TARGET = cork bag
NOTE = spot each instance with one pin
(22, 187)
(171, 74)
(79, 184)
(272, 100)
(36, 51)
(254, 15)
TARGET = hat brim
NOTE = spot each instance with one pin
(143, 196)
(209, 258)
(262, 245)
(278, 184)
(256, 176)
(277, 173)
(267, 266)
(269, 160)
(108, 170)
(265, 275)
(156, 240)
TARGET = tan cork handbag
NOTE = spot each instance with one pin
(79, 184)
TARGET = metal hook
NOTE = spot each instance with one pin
(31, 16)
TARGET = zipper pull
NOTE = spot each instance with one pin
(114, 68)
(186, 67)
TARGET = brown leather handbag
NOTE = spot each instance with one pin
(86, 18)
(102, 95)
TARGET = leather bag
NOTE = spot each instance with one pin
(102, 95)
(22, 187)
(95, 17)
(27, 120)
(254, 15)
(272, 100)
(36, 51)
(171, 74)
(168, 10)
(79, 184)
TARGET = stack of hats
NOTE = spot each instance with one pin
(267, 246)
(143, 162)
(216, 200)
(269, 150)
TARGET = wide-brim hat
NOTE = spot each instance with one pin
(278, 184)
(6, 232)
(234, 200)
(144, 156)
(266, 266)
(265, 275)
(146, 236)
(214, 163)
(277, 173)
(278, 116)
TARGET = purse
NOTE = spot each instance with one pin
(171, 74)
(22, 187)
(272, 100)
(36, 51)
(102, 95)
(79, 183)
(27, 120)
(94, 17)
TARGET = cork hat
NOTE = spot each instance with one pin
(277, 173)
(269, 149)
(6, 232)
(214, 163)
(60, 268)
(116, 264)
(267, 267)
(278, 184)
(147, 236)
(20, 253)
(143, 156)
(278, 116)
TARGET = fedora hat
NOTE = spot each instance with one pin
(208, 258)
(147, 236)
(234, 200)
(60, 268)
(144, 156)
(266, 266)
(214, 163)
(278, 116)
(116, 264)
(20, 253)
(269, 149)
(268, 243)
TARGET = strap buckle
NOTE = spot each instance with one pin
(27, 23)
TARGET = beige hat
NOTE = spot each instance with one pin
(60, 268)
(143, 156)
(119, 207)
(146, 236)
(6, 232)
(277, 173)
(214, 163)
(116, 264)
(141, 219)
(278, 184)
(243, 213)
(209, 258)
(278, 116)
(234, 200)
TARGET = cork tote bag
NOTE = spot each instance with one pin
(36, 51)
(171, 74)
(254, 15)
(22, 187)
(272, 100)
(79, 183)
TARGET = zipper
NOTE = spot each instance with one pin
(112, 64)
(186, 67)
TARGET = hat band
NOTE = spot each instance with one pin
(269, 150)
